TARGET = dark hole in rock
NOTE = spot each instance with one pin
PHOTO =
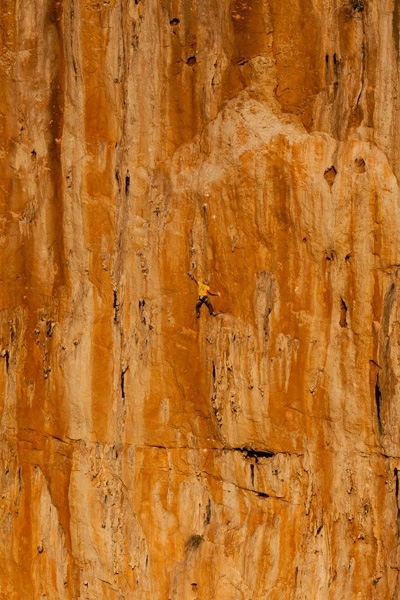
(330, 254)
(343, 313)
(239, 60)
(378, 402)
(330, 175)
(360, 165)
(357, 5)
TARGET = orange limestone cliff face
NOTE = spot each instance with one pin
(147, 454)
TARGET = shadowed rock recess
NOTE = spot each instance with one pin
(147, 454)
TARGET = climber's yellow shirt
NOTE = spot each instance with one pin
(203, 289)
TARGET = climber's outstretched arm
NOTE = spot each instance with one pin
(193, 276)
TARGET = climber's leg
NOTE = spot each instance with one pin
(198, 305)
(209, 306)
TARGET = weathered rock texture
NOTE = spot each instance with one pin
(147, 455)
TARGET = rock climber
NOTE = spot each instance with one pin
(204, 290)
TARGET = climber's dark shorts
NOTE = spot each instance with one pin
(204, 300)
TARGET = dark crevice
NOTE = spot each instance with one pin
(343, 313)
(256, 454)
(213, 373)
(142, 304)
(207, 519)
(252, 474)
(191, 61)
(262, 495)
(357, 5)
(373, 362)
(127, 184)
(319, 529)
(330, 255)
(266, 323)
(378, 402)
(118, 180)
(123, 382)
(50, 327)
(330, 175)
(360, 165)
(115, 306)
(396, 474)
(395, 27)
(336, 69)
(6, 355)
(174, 21)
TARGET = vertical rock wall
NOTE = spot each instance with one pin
(148, 455)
